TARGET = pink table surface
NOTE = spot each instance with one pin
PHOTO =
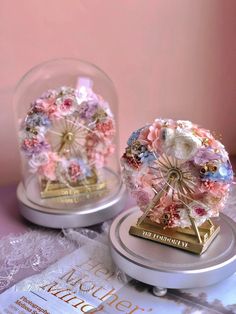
(10, 219)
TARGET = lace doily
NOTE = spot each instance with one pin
(20, 255)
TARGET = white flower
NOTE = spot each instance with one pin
(199, 212)
(38, 160)
(184, 220)
(85, 94)
(182, 145)
(167, 136)
(64, 90)
(184, 124)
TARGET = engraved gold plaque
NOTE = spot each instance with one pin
(54, 191)
(181, 238)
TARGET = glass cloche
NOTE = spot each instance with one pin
(68, 137)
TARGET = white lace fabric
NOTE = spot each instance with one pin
(30, 252)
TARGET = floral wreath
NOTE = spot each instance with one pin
(184, 164)
(67, 133)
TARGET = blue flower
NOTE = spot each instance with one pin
(224, 173)
(147, 156)
(134, 136)
(85, 170)
(37, 119)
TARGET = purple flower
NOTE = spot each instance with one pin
(32, 146)
(37, 119)
(205, 155)
(142, 197)
(87, 110)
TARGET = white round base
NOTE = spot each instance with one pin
(167, 267)
(65, 218)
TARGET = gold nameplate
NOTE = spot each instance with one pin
(91, 186)
(69, 191)
(181, 238)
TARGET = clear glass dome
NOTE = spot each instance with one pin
(68, 135)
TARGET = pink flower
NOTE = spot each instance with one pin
(129, 180)
(202, 132)
(161, 134)
(146, 180)
(165, 201)
(200, 211)
(204, 135)
(29, 143)
(74, 171)
(154, 134)
(142, 198)
(106, 128)
(48, 170)
(216, 189)
(66, 105)
(170, 215)
(98, 159)
(207, 185)
(46, 106)
(91, 140)
(109, 150)
(98, 149)
(143, 136)
(33, 146)
(155, 214)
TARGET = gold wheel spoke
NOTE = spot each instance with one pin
(160, 162)
(54, 132)
(158, 169)
(165, 157)
(66, 123)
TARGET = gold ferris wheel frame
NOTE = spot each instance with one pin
(68, 142)
(194, 239)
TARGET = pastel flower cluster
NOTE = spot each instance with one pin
(156, 151)
(81, 109)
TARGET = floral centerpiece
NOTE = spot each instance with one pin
(67, 135)
(177, 172)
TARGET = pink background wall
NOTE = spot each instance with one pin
(168, 58)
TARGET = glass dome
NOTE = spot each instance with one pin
(68, 135)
